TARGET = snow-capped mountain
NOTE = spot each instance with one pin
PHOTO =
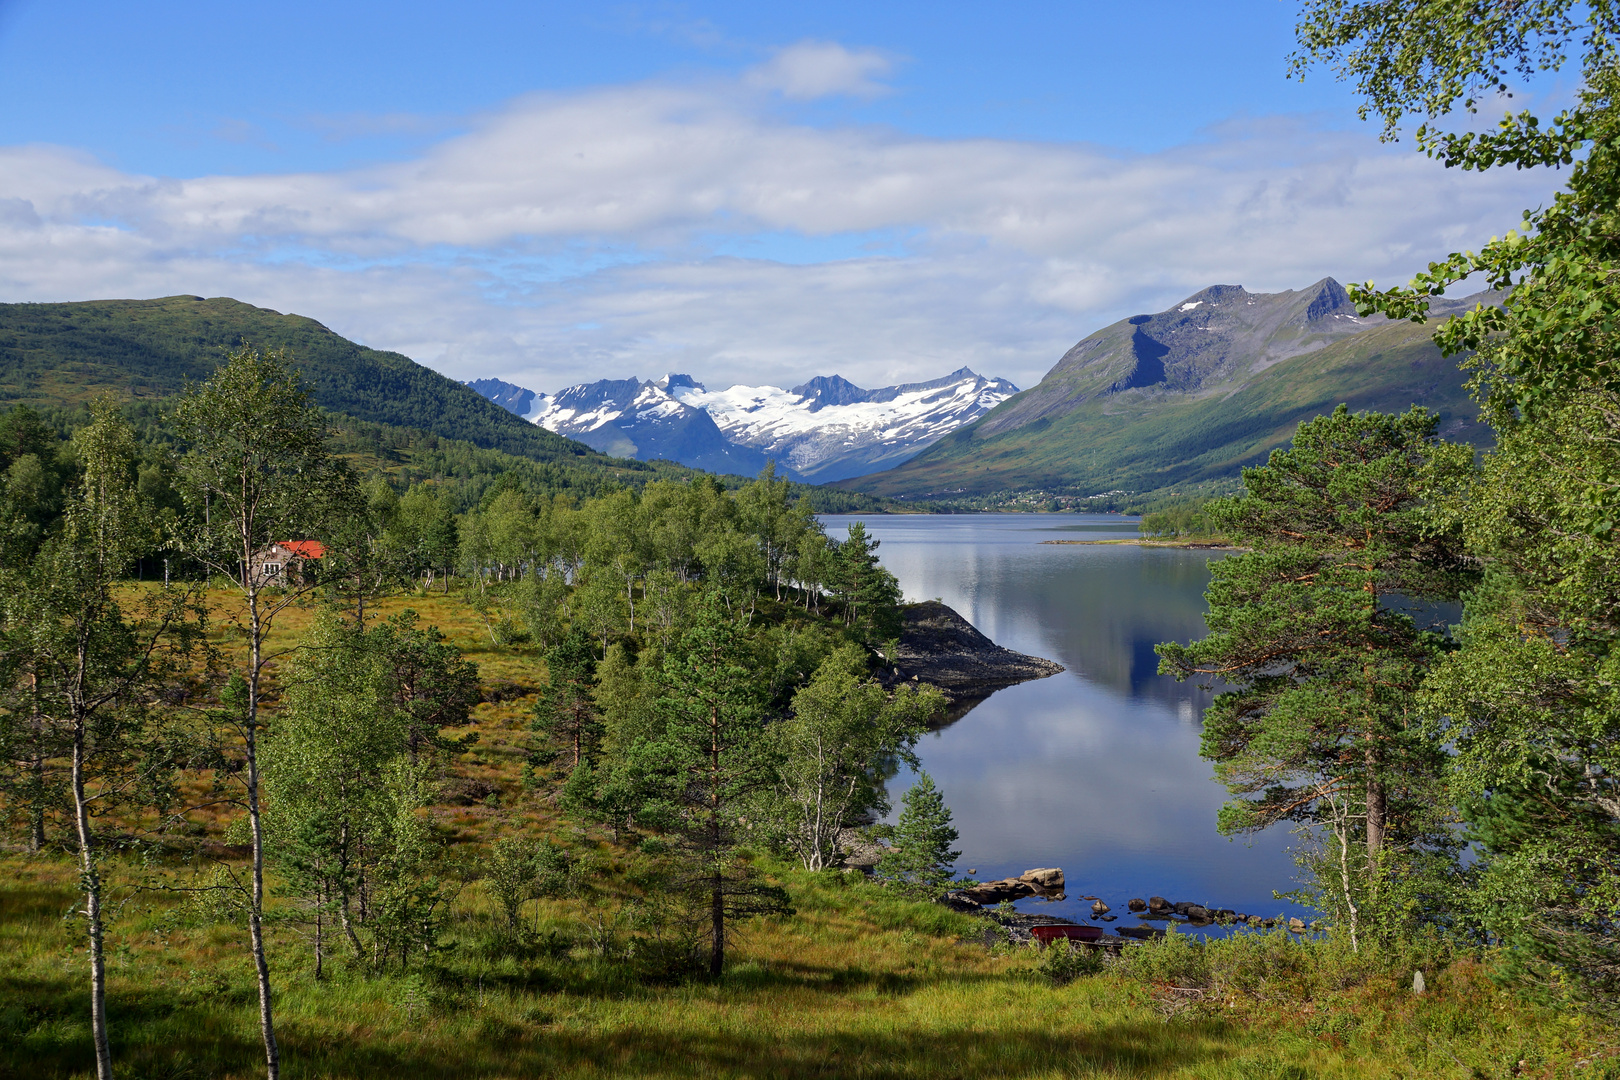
(826, 429)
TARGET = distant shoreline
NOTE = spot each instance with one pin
(1206, 545)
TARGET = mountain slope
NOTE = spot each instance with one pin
(829, 428)
(1191, 395)
(53, 354)
(825, 429)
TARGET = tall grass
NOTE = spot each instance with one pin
(858, 984)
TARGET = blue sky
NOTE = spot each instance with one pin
(754, 193)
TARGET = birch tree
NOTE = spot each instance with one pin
(257, 472)
(87, 667)
(843, 729)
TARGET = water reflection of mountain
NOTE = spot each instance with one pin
(1098, 610)
(1106, 611)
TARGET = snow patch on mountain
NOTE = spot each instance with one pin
(825, 429)
(836, 430)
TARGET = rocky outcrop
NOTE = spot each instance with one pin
(1046, 883)
(939, 647)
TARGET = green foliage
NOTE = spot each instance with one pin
(1527, 700)
(519, 870)
(347, 786)
(831, 751)
(1064, 961)
(1320, 725)
(259, 471)
(870, 595)
(1190, 522)
(920, 859)
(712, 760)
(426, 680)
(565, 714)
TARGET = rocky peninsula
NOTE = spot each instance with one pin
(940, 647)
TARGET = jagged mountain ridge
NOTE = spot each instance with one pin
(1192, 394)
(824, 429)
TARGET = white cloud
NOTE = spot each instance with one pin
(615, 210)
(814, 69)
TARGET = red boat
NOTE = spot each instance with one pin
(1048, 934)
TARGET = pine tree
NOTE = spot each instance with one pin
(920, 860)
(566, 722)
(712, 760)
(1322, 722)
(869, 593)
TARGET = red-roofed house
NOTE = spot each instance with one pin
(283, 560)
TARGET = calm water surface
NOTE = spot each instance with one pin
(1095, 770)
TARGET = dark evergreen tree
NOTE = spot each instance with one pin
(920, 859)
(1321, 723)
(428, 681)
(566, 721)
(712, 760)
(870, 595)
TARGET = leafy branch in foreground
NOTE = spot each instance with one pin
(1528, 700)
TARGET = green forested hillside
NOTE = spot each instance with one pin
(389, 414)
(56, 354)
(1153, 438)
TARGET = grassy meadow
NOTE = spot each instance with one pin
(857, 983)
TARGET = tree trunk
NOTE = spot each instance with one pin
(91, 881)
(267, 1027)
(1376, 807)
(717, 900)
(36, 809)
(717, 915)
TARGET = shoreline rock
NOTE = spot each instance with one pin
(939, 647)
(1046, 882)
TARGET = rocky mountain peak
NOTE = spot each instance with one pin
(1327, 298)
(509, 396)
(826, 428)
(675, 381)
(825, 390)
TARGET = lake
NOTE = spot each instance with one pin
(1095, 770)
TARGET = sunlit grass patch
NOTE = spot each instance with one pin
(858, 983)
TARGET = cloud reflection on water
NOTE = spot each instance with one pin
(1095, 770)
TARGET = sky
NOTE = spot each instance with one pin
(556, 193)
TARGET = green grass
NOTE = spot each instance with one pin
(855, 985)
(858, 983)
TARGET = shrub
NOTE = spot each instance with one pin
(1063, 961)
(1175, 959)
